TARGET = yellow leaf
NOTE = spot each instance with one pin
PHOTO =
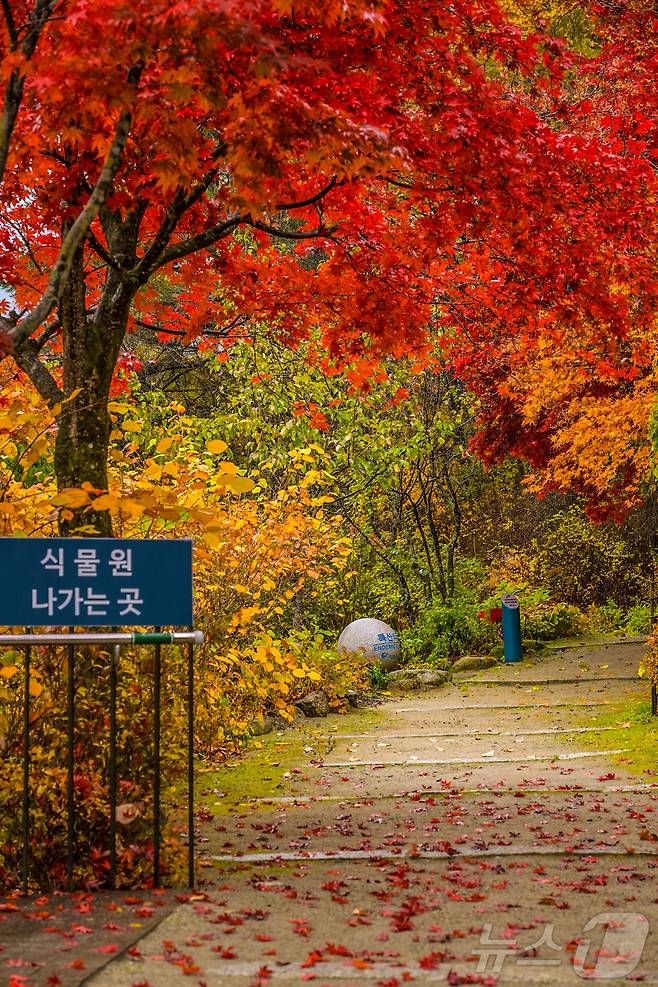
(132, 426)
(315, 676)
(6, 671)
(171, 469)
(238, 484)
(72, 497)
(227, 467)
(299, 673)
(7, 508)
(35, 688)
(164, 444)
(106, 502)
(216, 447)
(153, 472)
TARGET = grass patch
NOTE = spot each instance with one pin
(633, 729)
(270, 765)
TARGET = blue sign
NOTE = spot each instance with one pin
(91, 582)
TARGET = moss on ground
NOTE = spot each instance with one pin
(634, 730)
(262, 770)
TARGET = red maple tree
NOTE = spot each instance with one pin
(358, 173)
(571, 395)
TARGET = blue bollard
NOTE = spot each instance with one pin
(512, 629)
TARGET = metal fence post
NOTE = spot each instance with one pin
(114, 663)
(190, 763)
(70, 766)
(26, 769)
(157, 675)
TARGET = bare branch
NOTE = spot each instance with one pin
(24, 240)
(223, 333)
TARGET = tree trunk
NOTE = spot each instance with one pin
(91, 347)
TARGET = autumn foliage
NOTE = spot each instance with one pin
(252, 557)
(361, 175)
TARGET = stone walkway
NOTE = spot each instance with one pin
(477, 834)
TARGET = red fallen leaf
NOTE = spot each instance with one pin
(7, 906)
(225, 952)
(110, 947)
(554, 903)
(77, 965)
(431, 961)
(335, 950)
(134, 951)
(312, 958)
(261, 937)
(16, 981)
(53, 981)
(455, 978)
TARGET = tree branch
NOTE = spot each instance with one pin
(16, 82)
(11, 26)
(222, 333)
(99, 249)
(27, 358)
(200, 241)
(320, 231)
(301, 204)
(76, 234)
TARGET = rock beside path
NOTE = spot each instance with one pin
(474, 663)
(314, 704)
(417, 678)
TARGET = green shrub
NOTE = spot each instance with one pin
(444, 631)
(638, 620)
(548, 621)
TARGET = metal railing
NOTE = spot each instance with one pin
(115, 640)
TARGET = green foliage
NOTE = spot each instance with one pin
(547, 622)
(377, 676)
(638, 620)
(443, 632)
(586, 564)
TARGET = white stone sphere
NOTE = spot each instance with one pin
(372, 638)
